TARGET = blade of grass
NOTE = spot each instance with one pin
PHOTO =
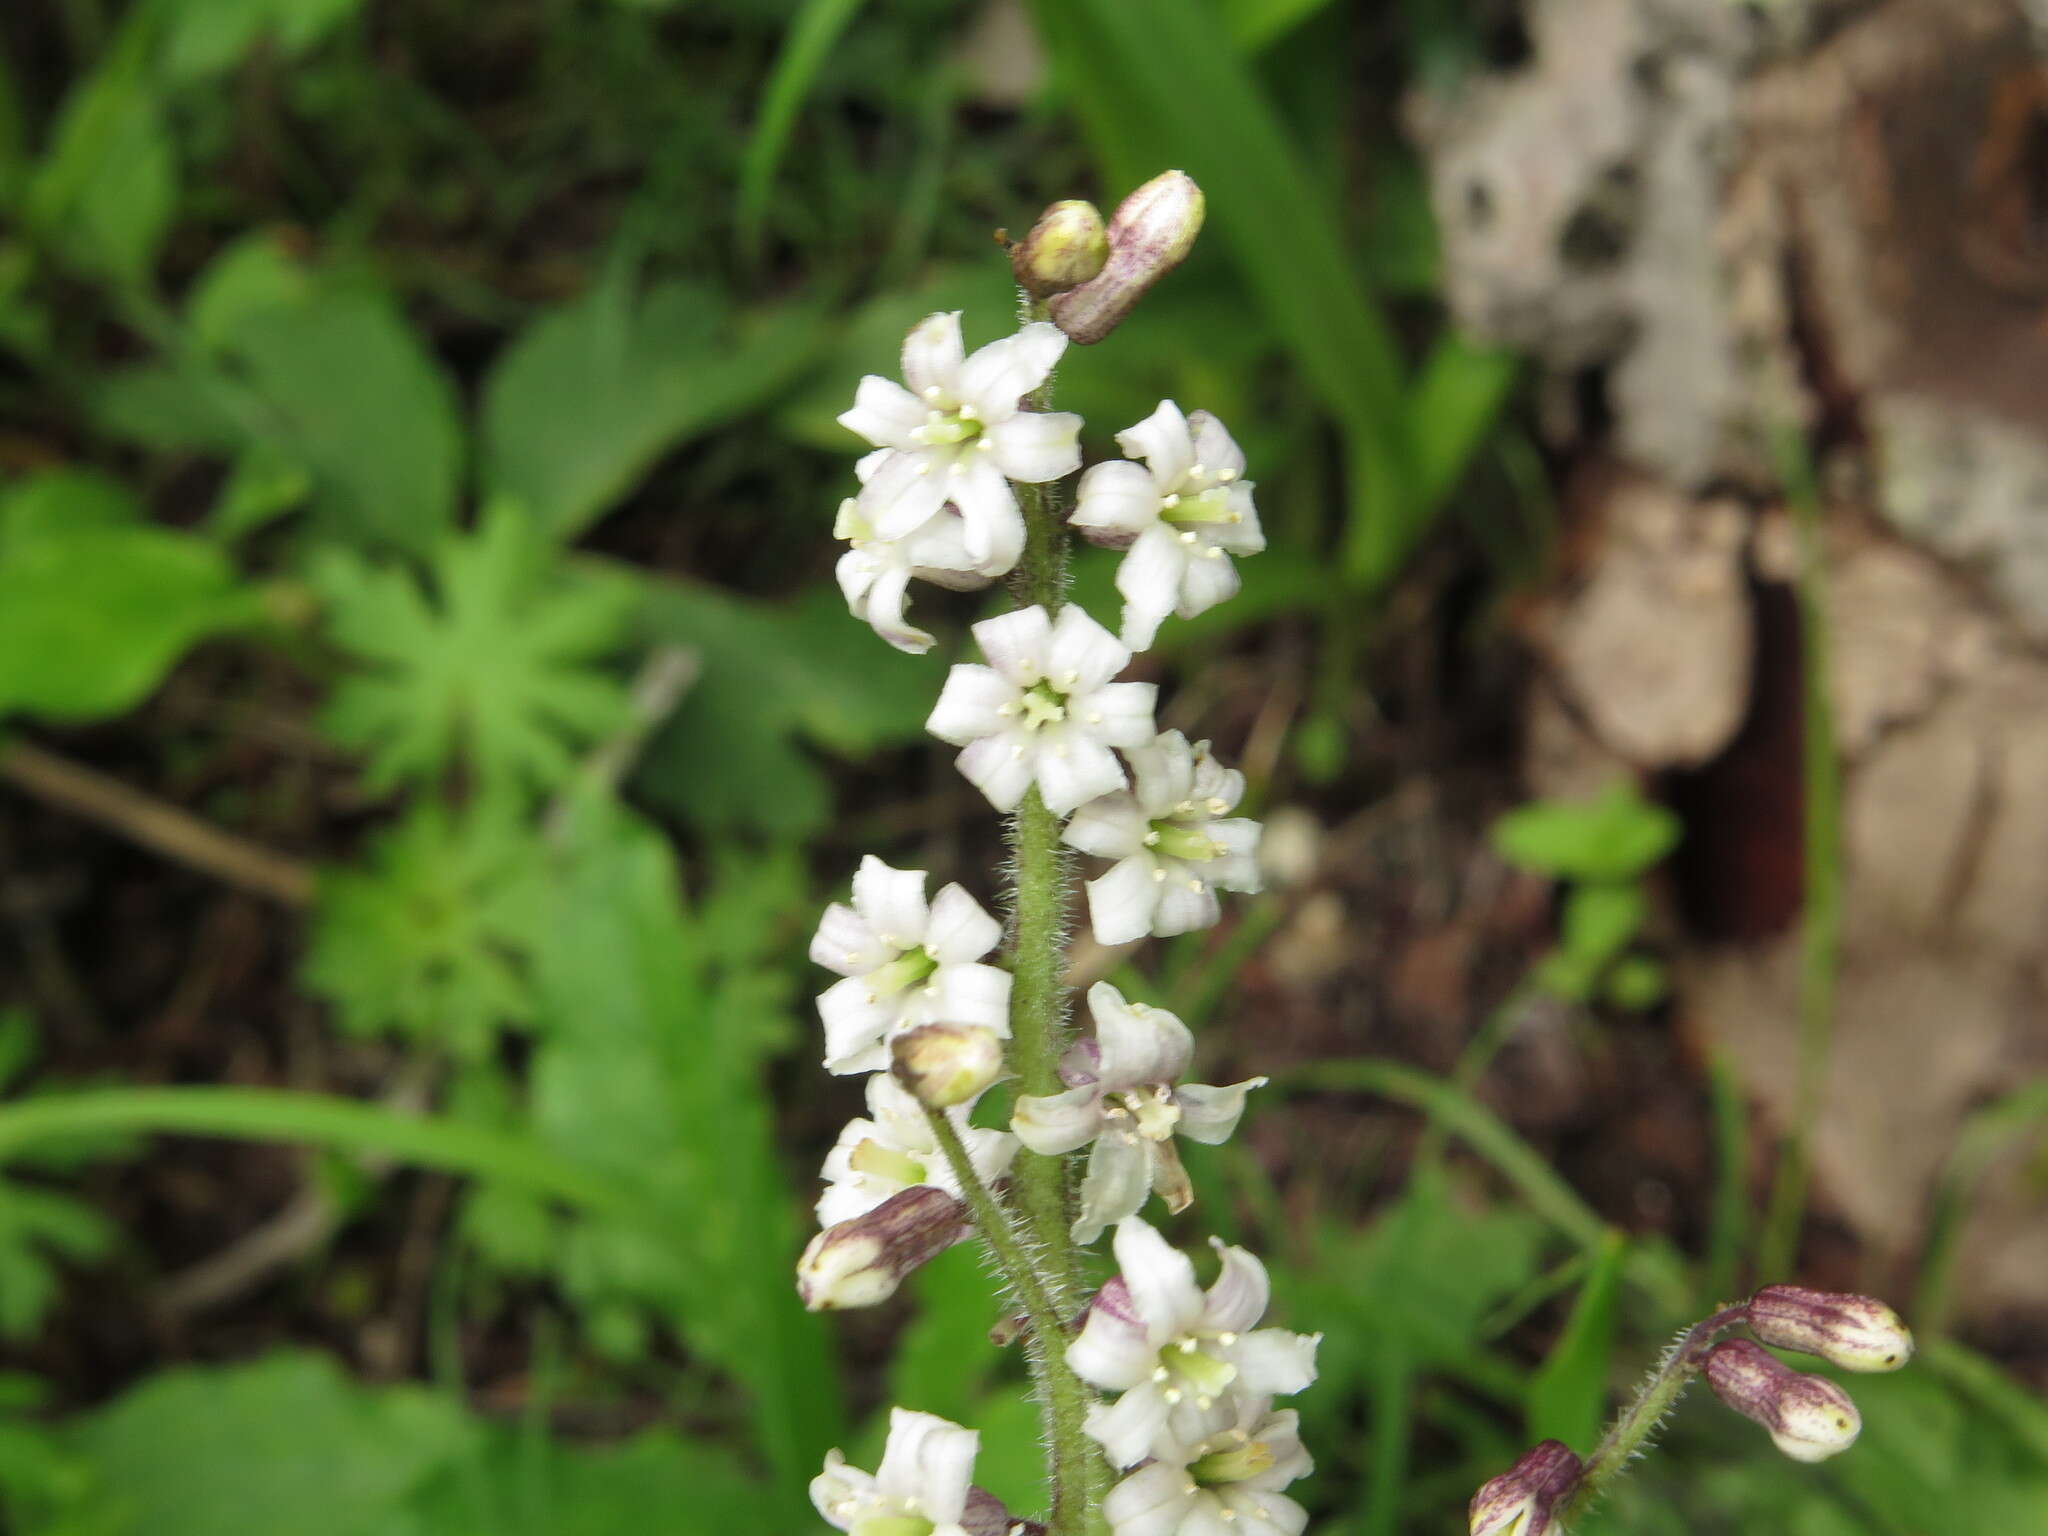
(1728, 1228)
(1568, 1395)
(1984, 1137)
(805, 47)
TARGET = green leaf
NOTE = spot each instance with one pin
(354, 396)
(263, 486)
(428, 940)
(164, 407)
(248, 277)
(1256, 23)
(92, 619)
(205, 38)
(593, 393)
(805, 47)
(492, 668)
(1616, 837)
(59, 502)
(1568, 1394)
(283, 1444)
(1600, 920)
(36, 1226)
(1637, 982)
(107, 188)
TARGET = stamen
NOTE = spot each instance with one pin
(1171, 1394)
(1226, 475)
(1095, 717)
(967, 413)
(933, 392)
(1158, 875)
(1172, 500)
(1187, 535)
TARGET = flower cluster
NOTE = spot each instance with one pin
(957, 489)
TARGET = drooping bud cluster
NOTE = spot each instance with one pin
(1809, 1417)
(1047, 718)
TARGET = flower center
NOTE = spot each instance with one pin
(1185, 1369)
(1210, 506)
(1234, 1465)
(959, 425)
(1154, 1109)
(905, 971)
(1042, 705)
(1178, 841)
(886, 1162)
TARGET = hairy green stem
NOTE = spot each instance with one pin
(1640, 1419)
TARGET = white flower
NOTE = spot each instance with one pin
(1122, 1096)
(1230, 1484)
(905, 964)
(957, 434)
(921, 1486)
(895, 1150)
(1184, 1360)
(1182, 517)
(1174, 841)
(875, 573)
(1044, 710)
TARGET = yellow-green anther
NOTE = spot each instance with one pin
(1179, 842)
(1211, 506)
(1204, 1372)
(903, 972)
(886, 1162)
(1232, 1466)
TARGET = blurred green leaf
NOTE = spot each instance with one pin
(590, 395)
(1457, 400)
(1616, 837)
(286, 1443)
(204, 38)
(263, 485)
(352, 393)
(492, 669)
(806, 45)
(1600, 920)
(60, 502)
(249, 276)
(91, 619)
(1568, 1394)
(107, 188)
(1255, 23)
(944, 1358)
(1637, 982)
(38, 1226)
(161, 406)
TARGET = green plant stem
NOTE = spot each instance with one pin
(1820, 923)
(1629, 1433)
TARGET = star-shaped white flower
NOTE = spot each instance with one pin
(1181, 517)
(893, 1150)
(1044, 710)
(1184, 1360)
(958, 435)
(1124, 1095)
(906, 963)
(1175, 842)
(1230, 1484)
(922, 1486)
(875, 572)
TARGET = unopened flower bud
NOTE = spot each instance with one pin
(1857, 1333)
(1809, 1417)
(947, 1064)
(859, 1263)
(985, 1515)
(1525, 1499)
(1066, 247)
(1150, 234)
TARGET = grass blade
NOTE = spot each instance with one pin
(805, 47)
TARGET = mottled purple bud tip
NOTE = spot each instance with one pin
(1857, 1333)
(860, 1263)
(1066, 247)
(1809, 1417)
(946, 1064)
(1525, 1499)
(1150, 234)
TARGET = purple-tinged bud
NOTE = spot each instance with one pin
(946, 1064)
(1525, 1499)
(1809, 1417)
(1857, 1333)
(859, 1263)
(1066, 247)
(986, 1516)
(1150, 234)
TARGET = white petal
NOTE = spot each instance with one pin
(905, 493)
(883, 611)
(991, 1153)
(993, 766)
(931, 356)
(995, 378)
(1016, 644)
(972, 994)
(1114, 1349)
(837, 1487)
(1121, 902)
(970, 705)
(1240, 1295)
(1163, 773)
(1274, 1362)
(992, 527)
(1215, 449)
(1213, 781)
(1161, 1280)
(1152, 1501)
(858, 570)
(845, 943)
(1149, 577)
(1036, 446)
(1074, 768)
(1125, 710)
(1110, 828)
(1118, 1180)
(937, 550)
(1139, 1045)
(1210, 1115)
(1245, 536)
(1128, 1429)
(959, 930)
(1205, 581)
(852, 1198)
(1081, 655)
(892, 900)
(1162, 440)
(865, 466)
(930, 1461)
(1260, 1513)
(1187, 902)
(854, 1027)
(1053, 1123)
(1118, 496)
(1205, 1517)
(885, 413)
(1237, 868)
